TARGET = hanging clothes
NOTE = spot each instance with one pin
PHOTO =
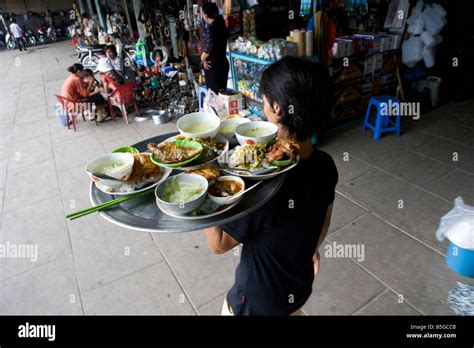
(324, 36)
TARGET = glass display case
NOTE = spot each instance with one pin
(246, 72)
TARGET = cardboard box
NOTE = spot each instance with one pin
(388, 79)
(389, 61)
(367, 87)
(347, 94)
(376, 85)
(342, 74)
(378, 63)
(345, 112)
(371, 43)
(342, 47)
(233, 101)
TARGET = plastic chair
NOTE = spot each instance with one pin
(73, 109)
(383, 121)
(122, 97)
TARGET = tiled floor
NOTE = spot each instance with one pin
(390, 197)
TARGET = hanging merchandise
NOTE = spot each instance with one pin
(321, 35)
(305, 8)
(172, 34)
(309, 39)
(249, 27)
(231, 6)
(424, 27)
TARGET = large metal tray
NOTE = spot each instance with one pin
(142, 213)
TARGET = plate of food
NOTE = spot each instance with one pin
(199, 194)
(144, 175)
(183, 153)
(262, 161)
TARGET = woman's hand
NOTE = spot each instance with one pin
(316, 258)
(205, 63)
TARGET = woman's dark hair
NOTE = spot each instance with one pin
(112, 48)
(88, 72)
(75, 68)
(210, 9)
(84, 15)
(304, 91)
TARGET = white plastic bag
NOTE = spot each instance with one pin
(458, 225)
(412, 51)
(60, 114)
(212, 100)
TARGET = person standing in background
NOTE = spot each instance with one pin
(213, 58)
(18, 35)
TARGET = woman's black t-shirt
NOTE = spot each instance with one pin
(275, 274)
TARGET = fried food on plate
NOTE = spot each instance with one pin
(169, 153)
(209, 173)
(283, 149)
(143, 168)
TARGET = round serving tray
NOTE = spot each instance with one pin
(143, 214)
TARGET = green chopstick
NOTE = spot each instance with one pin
(106, 205)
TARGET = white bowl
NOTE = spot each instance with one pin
(230, 125)
(268, 132)
(182, 207)
(123, 172)
(206, 125)
(230, 199)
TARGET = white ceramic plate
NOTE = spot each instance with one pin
(247, 175)
(116, 192)
(219, 138)
(188, 216)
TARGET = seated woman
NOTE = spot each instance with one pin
(75, 89)
(115, 60)
(111, 79)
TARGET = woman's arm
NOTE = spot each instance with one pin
(208, 46)
(219, 242)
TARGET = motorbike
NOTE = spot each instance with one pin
(29, 37)
(10, 40)
(2, 40)
(89, 56)
(46, 35)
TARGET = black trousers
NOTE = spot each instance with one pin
(96, 99)
(216, 76)
(20, 43)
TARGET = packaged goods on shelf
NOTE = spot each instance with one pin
(342, 47)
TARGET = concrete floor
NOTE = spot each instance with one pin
(84, 266)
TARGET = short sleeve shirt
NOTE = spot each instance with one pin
(275, 273)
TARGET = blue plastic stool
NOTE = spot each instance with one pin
(383, 123)
(202, 94)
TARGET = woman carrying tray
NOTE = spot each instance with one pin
(281, 239)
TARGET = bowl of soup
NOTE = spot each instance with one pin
(256, 132)
(226, 189)
(181, 194)
(227, 128)
(115, 165)
(199, 125)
